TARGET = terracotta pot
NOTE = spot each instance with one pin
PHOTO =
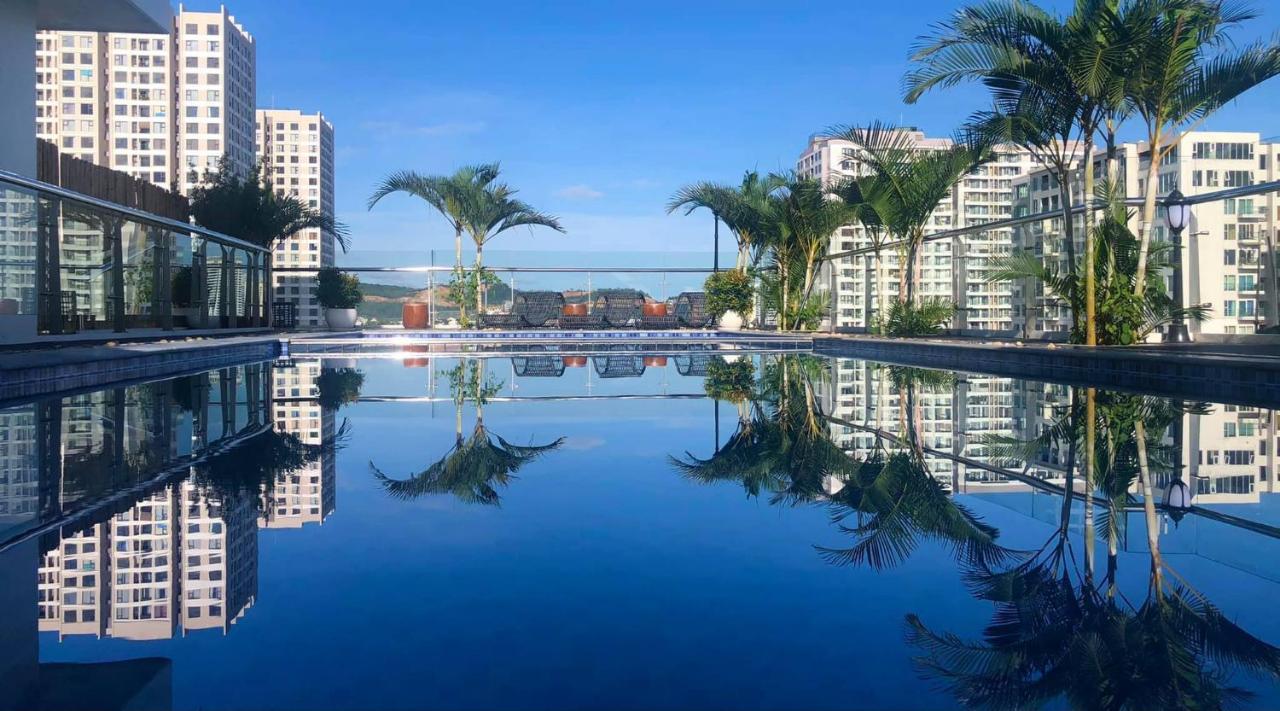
(574, 310)
(416, 362)
(655, 361)
(8, 307)
(657, 308)
(574, 361)
(415, 316)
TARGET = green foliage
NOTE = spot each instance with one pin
(338, 386)
(732, 382)
(247, 207)
(182, 295)
(925, 318)
(730, 290)
(337, 290)
(465, 287)
(467, 381)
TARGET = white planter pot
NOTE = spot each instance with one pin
(731, 321)
(340, 319)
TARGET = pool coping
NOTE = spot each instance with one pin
(1217, 377)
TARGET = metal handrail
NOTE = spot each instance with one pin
(134, 213)
(1226, 194)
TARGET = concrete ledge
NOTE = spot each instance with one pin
(27, 374)
(1217, 376)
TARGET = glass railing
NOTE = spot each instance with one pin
(72, 263)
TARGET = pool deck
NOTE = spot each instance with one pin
(1246, 374)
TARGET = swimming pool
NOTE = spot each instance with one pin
(630, 527)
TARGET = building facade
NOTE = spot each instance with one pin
(944, 268)
(161, 107)
(1228, 247)
(296, 153)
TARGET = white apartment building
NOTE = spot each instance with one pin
(296, 152)
(945, 267)
(161, 107)
(1228, 255)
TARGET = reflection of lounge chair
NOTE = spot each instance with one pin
(529, 309)
(622, 308)
(618, 366)
(693, 364)
(538, 366)
(691, 309)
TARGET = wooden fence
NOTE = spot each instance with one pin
(102, 182)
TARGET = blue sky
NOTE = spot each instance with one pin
(598, 111)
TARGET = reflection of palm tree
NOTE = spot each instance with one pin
(254, 465)
(1054, 634)
(476, 466)
(472, 470)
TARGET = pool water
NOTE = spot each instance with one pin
(748, 530)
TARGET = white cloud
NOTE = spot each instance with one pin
(579, 192)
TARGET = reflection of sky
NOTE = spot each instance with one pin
(604, 579)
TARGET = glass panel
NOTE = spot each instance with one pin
(240, 286)
(215, 282)
(141, 251)
(85, 259)
(18, 232)
(185, 291)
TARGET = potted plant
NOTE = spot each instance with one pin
(338, 386)
(729, 298)
(338, 293)
(182, 296)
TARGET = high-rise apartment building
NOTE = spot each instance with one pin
(162, 107)
(296, 151)
(1228, 247)
(944, 268)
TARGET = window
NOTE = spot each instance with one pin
(1228, 430)
(1229, 282)
(1229, 257)
(1228, 308)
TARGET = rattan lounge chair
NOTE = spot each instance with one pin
(693, 364)
(665, 322)
(618, 366)
(538, 366)
(529, 309)
(623, 308)
(691, 309)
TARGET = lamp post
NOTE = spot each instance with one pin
(1178, 499)
(1177, 214)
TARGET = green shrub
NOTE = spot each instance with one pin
(731, 382)
(181, 296)
(925, 318)
(337, 290)
(729, 290)
(338, 386)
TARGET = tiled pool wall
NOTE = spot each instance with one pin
(1213, 378)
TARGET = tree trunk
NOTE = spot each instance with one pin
(457, 247)
(1148, 214)
(479, 282)
(1090, 276)
(1068, 230)
(1149, 509)
(1090, 468)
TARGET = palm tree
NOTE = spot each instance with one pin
(492, 210)
(744, 209)
(1182, 77)
(904, 183)
(862, 212)
(249, 208)
(1050, 79)
(446, 194)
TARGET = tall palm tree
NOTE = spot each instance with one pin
(1051, 79)
(1183, 76)
(492, 210)
(864, 213)
(446, 194)
(744, 209)
(904, 183)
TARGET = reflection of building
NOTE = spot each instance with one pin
(219, 558)
(944, 267)
(1229, 454)
(957, 419)
(305, 495)
(296, 150)
(19, 475)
